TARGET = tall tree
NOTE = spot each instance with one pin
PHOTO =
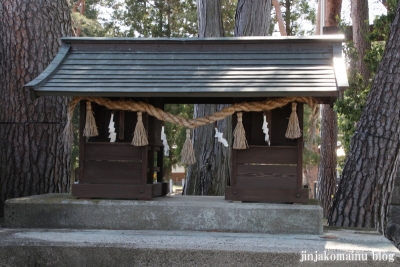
(209, 174)
(253, 18)
(370, 168)
(360, 19)
(33, 160)
(328, 161)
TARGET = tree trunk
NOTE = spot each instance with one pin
(210, 173)
(360, 18)
(209, 18)
(253, 18)
(279, 18)
(333, 8)
(370, 168)
(327, 166)
(328, 160)
(32, 157)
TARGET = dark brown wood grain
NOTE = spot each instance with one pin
(112, 151)
(112, 172)
(267, 155)
(274, 176)
(116, 191)
(300, 145)
(144, 165)
(82, 116)
(270, 195)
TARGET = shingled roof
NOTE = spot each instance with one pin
(195, 67)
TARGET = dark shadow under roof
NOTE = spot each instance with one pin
(195, 67)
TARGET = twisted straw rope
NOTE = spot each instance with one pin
(129, 105)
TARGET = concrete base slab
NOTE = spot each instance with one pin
(192, 213)
(67, 247)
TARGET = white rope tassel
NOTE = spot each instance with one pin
(239, 134)
(187, 154)
(111, 129)
(220, 138)
(293, 130)
(90, 124)
(140, 134)
(165, 142)
(266, 130)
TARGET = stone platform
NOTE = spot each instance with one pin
(59, 230)
(127, 248)
(176, 213)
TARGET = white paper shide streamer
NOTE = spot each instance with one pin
(220, 138)
(111, 129)
(266, 130)
(165, 142)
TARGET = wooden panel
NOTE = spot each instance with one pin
(271, 195)
(300, 146)
(144, 165)
(82, 115)
(233, 180)
(144, 192)
(158, 189)
(267, 155)
(112, 172)
(160, 164)
(150, 165)
(112, 151)
(274, 176)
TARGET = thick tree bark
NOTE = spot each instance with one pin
(32, 157)
(328, 160)
(371, 166)
(210, 173)
(332, 10)
(209, 18)
(327, 166)
(253, 18)
(360, 19)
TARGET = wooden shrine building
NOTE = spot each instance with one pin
(195, 70)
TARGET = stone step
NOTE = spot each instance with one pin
(120, 248)
(177, 212)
